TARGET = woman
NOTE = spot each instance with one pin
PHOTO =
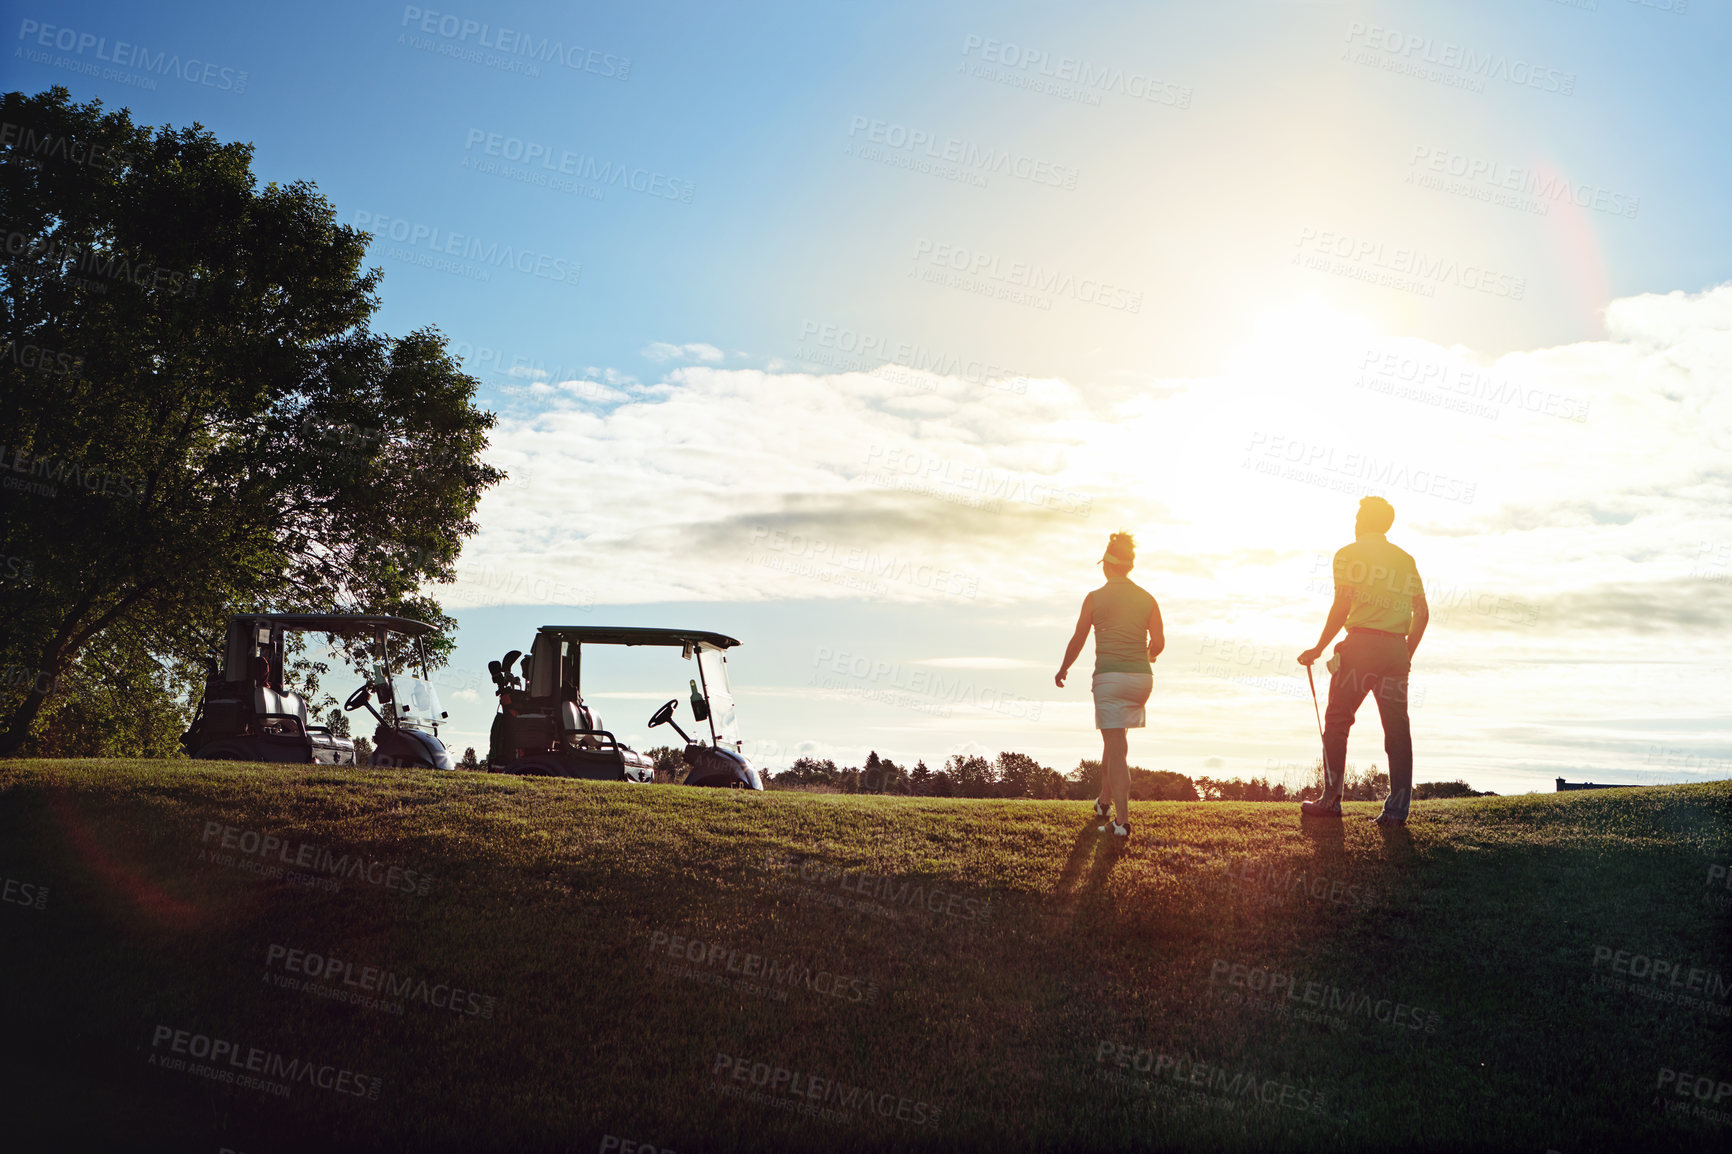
(1128, 637)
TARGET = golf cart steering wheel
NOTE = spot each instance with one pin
(358, 698)
(665, 714)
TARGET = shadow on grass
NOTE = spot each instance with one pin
(1072, 886)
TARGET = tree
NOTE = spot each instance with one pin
(971, 775)
(205, 419)
(920, 780)
(470, 761)
(1161, 785)
(1019, 774)
(1367, 786)
(670, 763)
(1085, 780)
(1457, 788)
(809, 771)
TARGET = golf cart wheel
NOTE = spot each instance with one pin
(224, 751)
(540, 766)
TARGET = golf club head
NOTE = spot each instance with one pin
(494, 672)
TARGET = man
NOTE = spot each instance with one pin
(1128, 636)
(1381, 601)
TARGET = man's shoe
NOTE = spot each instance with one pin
(1115, 829)
(1386, 820)
(1102, 810)
(1319, 809)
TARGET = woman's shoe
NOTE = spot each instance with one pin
(1115, 829)
(1103, 810)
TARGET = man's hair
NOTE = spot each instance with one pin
(1376, 514)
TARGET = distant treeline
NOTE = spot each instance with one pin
(1016, 775)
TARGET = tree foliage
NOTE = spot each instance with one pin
(197, 418)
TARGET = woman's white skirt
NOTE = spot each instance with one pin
(1119, 699)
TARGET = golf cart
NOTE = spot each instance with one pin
(248, 715)
(545, 727)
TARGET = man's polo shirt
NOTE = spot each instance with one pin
(1381, 582)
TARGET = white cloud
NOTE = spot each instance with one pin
(661, 352)
(1544, 475)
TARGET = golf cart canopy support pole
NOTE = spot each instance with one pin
(704, 684)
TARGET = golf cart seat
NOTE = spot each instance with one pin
(269, 706)
(576, 720)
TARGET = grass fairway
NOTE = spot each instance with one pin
(869, 973)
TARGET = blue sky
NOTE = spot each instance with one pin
(909, 308)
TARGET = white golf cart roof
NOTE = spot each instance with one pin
(630, 635)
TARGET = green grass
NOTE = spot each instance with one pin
(546, 895)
